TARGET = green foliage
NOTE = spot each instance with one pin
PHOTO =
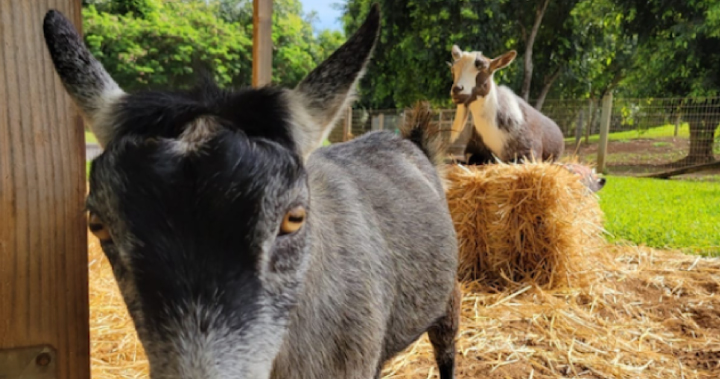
(638, 48)
(679, 52)
(139, 8)
(416, 37)
(90, 137)
(295, 58)
(663, 213)
(166, 43)
(169, 47)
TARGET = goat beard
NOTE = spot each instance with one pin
(461, 117)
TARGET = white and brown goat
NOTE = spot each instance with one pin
(505, 123)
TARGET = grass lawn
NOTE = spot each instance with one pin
(663, 213)
(90, 137)
(662, 131)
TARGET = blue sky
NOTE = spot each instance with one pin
(328, 16)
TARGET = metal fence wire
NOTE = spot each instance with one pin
(645, 135)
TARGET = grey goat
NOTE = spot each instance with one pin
(242, 249)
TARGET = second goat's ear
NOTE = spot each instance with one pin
(503, 60)
(329, 89)
(456, 52)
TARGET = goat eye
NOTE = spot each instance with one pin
(98, 228)
(293, 220)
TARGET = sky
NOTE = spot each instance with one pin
(328, 16)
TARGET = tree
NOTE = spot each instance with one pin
(168, 46)
(529, 39)
(680, 56)
(168, 42)
(417, 36)
(551, 52)
(604, 52)
(415, 42)
(139, 8)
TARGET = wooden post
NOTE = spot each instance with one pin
(579, 127)
(44, 326)
(604, 130)
(591, 119)
(381, 121)
(262, 43)
(347, 126)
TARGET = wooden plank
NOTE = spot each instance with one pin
(684, 170)
(262, 43)
(43, 237)
(604, 130)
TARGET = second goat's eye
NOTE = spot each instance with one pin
(293, 220)
(98, 228)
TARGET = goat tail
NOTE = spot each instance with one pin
(420, 129)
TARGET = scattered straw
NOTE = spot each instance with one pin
(116, 351)
(646, 314)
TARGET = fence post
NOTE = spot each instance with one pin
(677, 125)
(262, 43)
(347, 126)
(591, 118)
(604, 130)
(381, 121)
(44, 330)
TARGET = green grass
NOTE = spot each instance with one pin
(663, 213)
(90, 137)
(663, 131)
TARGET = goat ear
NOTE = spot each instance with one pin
(456, 52)
(84, 78)
(502, 61)
(329, 89)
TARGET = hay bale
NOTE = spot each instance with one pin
(522, 223)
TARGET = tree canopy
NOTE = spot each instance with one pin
(576, 48)
(567, 49)
(165, 43)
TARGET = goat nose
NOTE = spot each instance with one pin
(457, 89)
(602, 181)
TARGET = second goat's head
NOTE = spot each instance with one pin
(473, 73)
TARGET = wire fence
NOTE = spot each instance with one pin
(644, 135)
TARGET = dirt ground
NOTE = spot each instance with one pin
(641, 156)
